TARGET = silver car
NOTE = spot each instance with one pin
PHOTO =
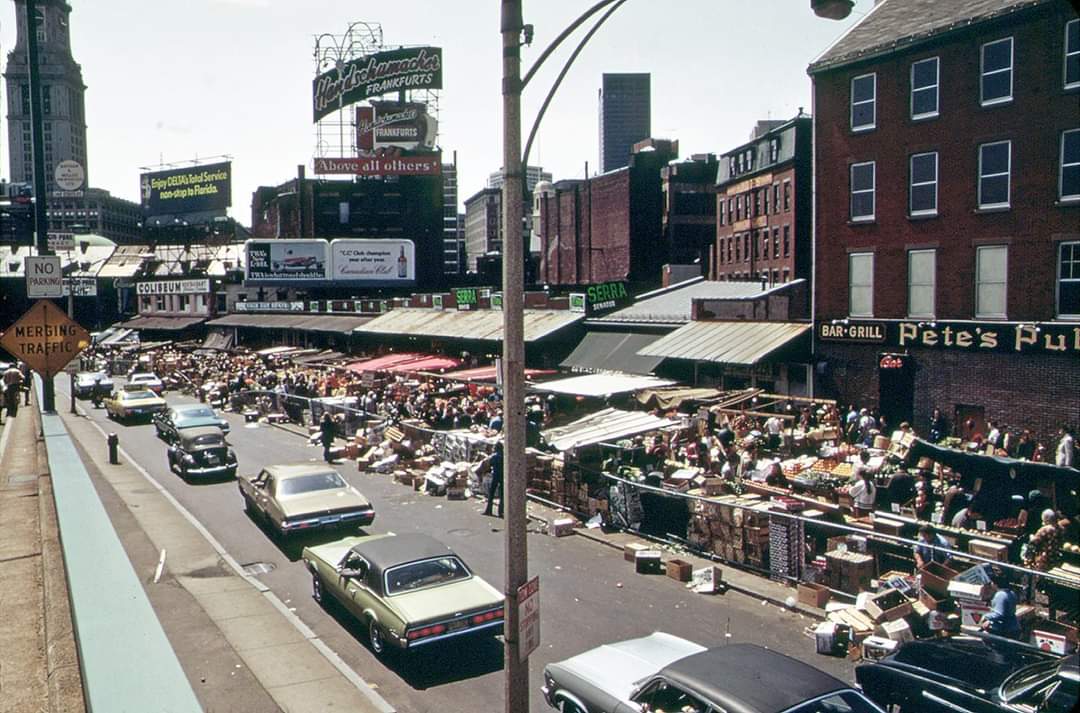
(662, 672)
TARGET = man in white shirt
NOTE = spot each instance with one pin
(1066, 450)
(773, 428)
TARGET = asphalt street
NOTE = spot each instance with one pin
(589, 594)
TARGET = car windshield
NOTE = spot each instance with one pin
(839, 702)
(208, 440)
(1027, 677)
(199, 412)
(424, 574)
(142, 377)
(139, 394)
(301, 484)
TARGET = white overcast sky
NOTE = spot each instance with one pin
(172, 81)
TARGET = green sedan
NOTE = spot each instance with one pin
(408, 590)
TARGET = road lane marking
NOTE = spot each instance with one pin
(160, 567)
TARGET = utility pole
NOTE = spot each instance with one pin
(37, 131)
(513, 280)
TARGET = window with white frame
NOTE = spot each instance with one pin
(996, 83)
(922, 269)
(991, 281)
(1072, 54)
(995, 163)
(1068, 283)
(923, 184)
(1069, 171)
(863, 102)
(925, 78)
(862, 191)
(861, 284)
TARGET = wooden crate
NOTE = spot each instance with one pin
(679, 570)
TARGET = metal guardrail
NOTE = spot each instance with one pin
(126, 660)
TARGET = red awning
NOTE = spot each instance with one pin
(430, 363)
(487, 373)
(384, 363)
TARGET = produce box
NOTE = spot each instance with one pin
(631, 549)
(972, 612)
(814, 595)
(679, 570)
(560, 527)
(898, 631)
(648, 562)
(888, 605)
(887, 526)
(936, 578)
(1055, 637)
(933, 603)
(990, 550)
(878, 647)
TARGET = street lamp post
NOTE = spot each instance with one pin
(513, 253)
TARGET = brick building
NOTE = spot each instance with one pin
(607, 228)
(483, 226)
(947, 265)
(764, 205)
(689, 218)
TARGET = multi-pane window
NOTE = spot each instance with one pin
(925, 79)
(995, 163)
(776, 242)
(776, 198)
(746, 247)
(1072, 54)
(861, 284)
(757, 202)
(787, 196)
(991, 270)
(1068, 284)
(1069, 171)
(757, 253)
(730, 209)
(922, 265)
(862, 191)
(863, 102)
(996, 83)
(787, 240)
(923, 184)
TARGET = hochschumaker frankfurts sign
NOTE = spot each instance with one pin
(374, 75)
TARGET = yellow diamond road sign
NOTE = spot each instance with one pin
(45, 338)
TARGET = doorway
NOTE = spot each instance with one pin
(896, 389)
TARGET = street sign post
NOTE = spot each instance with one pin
(80, 287)
(61, 241)
(44, 278)
(528, 598)
(45, 338)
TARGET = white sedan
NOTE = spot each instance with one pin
(146, 380)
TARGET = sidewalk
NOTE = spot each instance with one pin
(39, 669)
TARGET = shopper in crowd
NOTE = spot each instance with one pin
(924, 497)
(967, 518)
(1065, 456)
(864, 494)
(1001, 620)
(1025, 446)
(932, 548)
(13, 380)
(993, 436)
(939, 427)
(327, 434)
(775, 476)
(862, 467)
(774, 427)
(1043, 551)
(495, 486)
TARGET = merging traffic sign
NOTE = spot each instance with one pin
(44, 278)
(45, 338)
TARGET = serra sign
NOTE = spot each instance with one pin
(606, 295)
(45, 338)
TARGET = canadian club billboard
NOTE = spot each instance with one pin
(198, 189)
(374, 263)
(374, 75)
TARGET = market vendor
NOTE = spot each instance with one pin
(967, 518)
(1043, 551)
(932, 549)
(1001, 620)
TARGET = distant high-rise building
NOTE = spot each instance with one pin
(533, 175)
(62, 104)
(451, 238)
(625, 117)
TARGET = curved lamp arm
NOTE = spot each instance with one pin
(562, 36)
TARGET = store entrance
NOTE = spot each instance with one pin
(896, 389)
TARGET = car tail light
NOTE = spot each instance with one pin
(487, 616)
(433, 630)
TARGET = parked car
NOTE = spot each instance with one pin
(170, 422)
(133, 403)
(85, 381)
(202, 452)
(407, 590)
(662, 672)
(982, 674)
(305, 497)
(147, 380)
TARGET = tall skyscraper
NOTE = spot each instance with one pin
(62, 95)
(625, 112)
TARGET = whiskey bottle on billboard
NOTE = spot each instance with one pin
(402, 264)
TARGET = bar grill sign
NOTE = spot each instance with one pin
(44, 278)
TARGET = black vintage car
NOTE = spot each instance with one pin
(976, 674)
(203, 453)
(170, 423)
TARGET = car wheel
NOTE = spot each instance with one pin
(569, 707)
(317, 589)
(183, 471)
(249, 506)
(375, 638)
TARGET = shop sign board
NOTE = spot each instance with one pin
(45, 338)
(394, 163)
(607, 295)
(466, 296)
(1000, 337)
(386, 262)
(437, 301)
(376, 74)
(80, 287)
(268, 307)
(44, 277)
(287, 261)
(61, 241)
(528, 603)
(497, 301)
(196, 189)
(577, 302)
(404, 125)
(173, 287)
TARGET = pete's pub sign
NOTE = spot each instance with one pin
(1017, 338)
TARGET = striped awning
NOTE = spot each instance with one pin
(737, 343)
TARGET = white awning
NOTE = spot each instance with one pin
(602, 384)
(604, 426)
(741, 343)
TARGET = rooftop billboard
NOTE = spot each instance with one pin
(374, 75)
(196, 189)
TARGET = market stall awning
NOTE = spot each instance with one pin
(603, 427)
(431, 363)
(277, 351)
(601, 384)
(119, 335)
(674, 398)
(343, 323)
(489, 373)
(217, 340)
(326, 355)
(385, 362)
(969, 462)
(169, 324)
(741, 343)
(482, 325)
(613, 351)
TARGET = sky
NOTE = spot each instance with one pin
(170, 82)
